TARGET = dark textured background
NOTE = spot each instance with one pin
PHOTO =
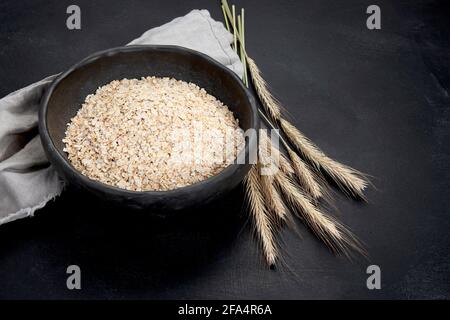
(376, 100)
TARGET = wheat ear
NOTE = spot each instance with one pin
(258, 209)
(338, 238)
(348, 179)
(269, 102)
(307, 179)
(272, 196)
(274, 200)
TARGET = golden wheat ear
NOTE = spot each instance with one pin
(266, 154)
(338, 238)
(347, 179)
(270, 104)
(273, 198)
(262, 222)
(307, 179)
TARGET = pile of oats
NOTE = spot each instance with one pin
(152, 134)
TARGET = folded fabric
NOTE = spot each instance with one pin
(27, 180)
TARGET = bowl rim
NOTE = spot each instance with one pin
(49, 146)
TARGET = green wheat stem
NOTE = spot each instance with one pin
(226, 9)
(241, 51)
(241, 37)
(225, 18)
(229, 14)
(233, 9)
(242, 34)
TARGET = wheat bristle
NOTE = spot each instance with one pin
(338, 238)
(348, 179)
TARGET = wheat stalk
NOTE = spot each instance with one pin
(338, 238)
(261, 188)
(258, 209)
(226, 20)
(233, 8)
(348, 179)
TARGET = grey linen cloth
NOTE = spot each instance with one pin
(27, 180)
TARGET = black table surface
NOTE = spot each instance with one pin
(376, 100)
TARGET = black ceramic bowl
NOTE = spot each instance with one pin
(68, 91)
